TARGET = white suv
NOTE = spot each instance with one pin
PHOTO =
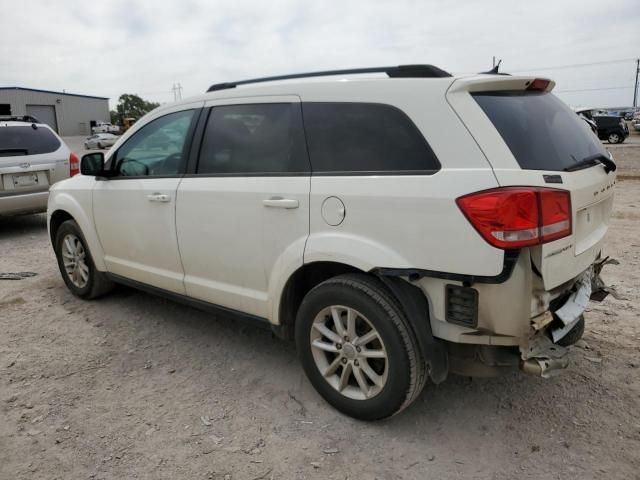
(399, 223)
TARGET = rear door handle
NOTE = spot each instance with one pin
(277, 202)
(159, 197)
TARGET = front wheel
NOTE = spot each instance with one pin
(76, 264)
(100, 146)
(357, 347)
(613, 138)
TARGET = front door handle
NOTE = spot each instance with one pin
(159, 197)
(278, 202)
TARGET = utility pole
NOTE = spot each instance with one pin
(635, 88)
(494, 62)
(177, 91)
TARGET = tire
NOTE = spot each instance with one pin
(399, 376)
(95, 284)
(614, 138)
(574, 334)
(86, 146)
(100, 146)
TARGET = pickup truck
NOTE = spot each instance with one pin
(105, 127)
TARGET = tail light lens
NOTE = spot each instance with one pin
(515, 217)
(74, 164)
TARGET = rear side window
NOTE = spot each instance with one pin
(25, 140)
(365, 138)
(541, 131)
(255, 139)
(608, 121)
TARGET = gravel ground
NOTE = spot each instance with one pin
(134, 386)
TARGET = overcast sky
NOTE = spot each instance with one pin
(108, 47)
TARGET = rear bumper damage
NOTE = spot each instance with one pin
(542, 357)
(537, 352)
(540, 353)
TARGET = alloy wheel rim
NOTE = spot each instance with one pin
(74, 260)
(349, 352)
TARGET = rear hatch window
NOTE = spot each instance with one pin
(540, 130)
(25, 140)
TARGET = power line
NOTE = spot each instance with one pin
(592, 89)
(635, 87)
(177, 91)
(576, 65)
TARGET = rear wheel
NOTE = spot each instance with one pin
(76, 264)
(574, 334)
(614, 138)
(357, 348)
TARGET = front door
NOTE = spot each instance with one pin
(243, 217)
(134, 210)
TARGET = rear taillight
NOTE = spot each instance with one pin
(539, 84)
(74, 164)
(514, 217)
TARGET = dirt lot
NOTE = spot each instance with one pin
(133, 386)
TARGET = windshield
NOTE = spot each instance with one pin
(540, 130)
(25, 140)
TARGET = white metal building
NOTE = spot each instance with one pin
(67, 113)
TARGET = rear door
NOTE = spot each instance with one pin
(243, 213)
(531, 138)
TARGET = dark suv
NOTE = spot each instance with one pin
(611, 128)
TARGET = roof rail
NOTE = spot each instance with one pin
(19, 118)
(400, 71)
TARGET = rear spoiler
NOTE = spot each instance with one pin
(489, 83)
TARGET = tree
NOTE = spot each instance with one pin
(115, 118)
(132, 106)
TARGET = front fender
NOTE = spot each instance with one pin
(79, 206)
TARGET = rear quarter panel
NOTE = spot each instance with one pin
(405, 221)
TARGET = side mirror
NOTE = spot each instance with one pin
(92, 164)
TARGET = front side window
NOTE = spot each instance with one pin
(365, 138)
(157, 149)
(256, 139)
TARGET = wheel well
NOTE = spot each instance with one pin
(298, 285)
(57, 218)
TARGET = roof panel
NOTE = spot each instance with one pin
(53, 92)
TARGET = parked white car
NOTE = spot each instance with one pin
(32, 158)
(105, 127)
(100, 141)
(398, 229)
